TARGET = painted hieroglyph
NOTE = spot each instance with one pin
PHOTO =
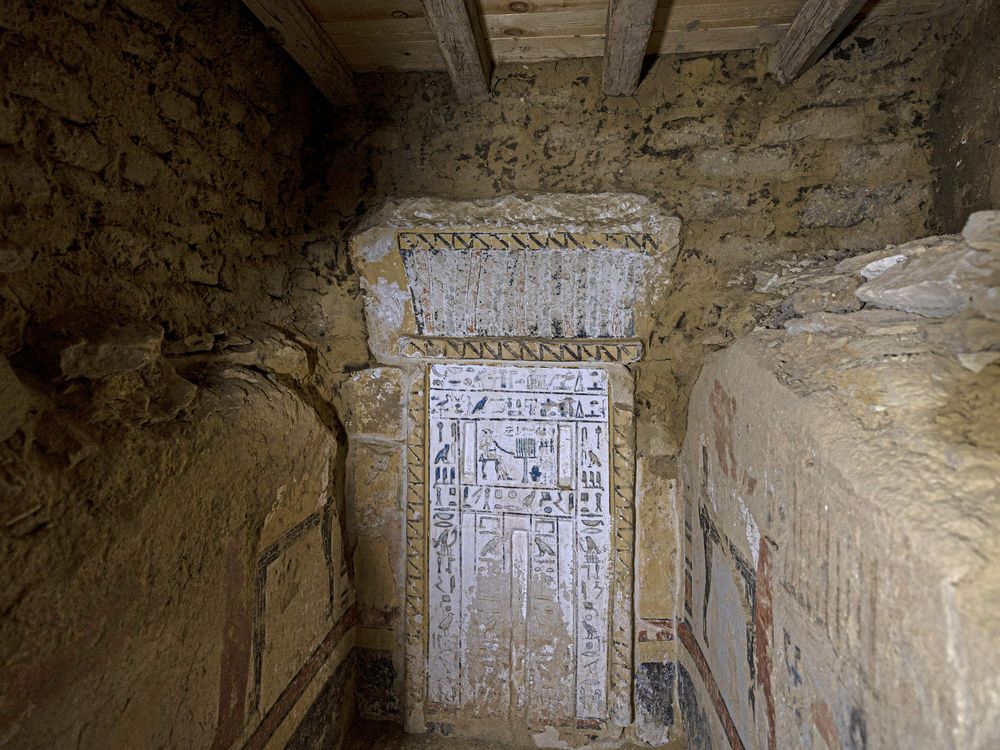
(548, 284)
(519, 541)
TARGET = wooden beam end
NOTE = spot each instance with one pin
(815, 27)
(629, 25)
(455, 24)
(294, 28)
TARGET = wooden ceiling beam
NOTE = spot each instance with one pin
(815, 27)
(455, 25)
(294, 28)
(629, 25)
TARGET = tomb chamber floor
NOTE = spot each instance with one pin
(378, 735)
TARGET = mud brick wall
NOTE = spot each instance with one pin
(159, 165)
(171, 332)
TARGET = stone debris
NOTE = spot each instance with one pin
(936, 295)
(824, 294)
(871, 321)
(986, 302)
(173, 395)
(121, 349)
(877, 267)
(982, 230)
(937, 283)
(196, 342)
(977, 361)
(766, 281)
(13, 257)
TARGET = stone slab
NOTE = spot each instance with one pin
(583, 267)
(373, 403)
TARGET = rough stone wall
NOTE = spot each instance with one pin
(158, 166)
(171, 334)
(836, 163)
(964, 125)
(839, 484)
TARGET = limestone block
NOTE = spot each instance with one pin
(832, 294)
(13, 318)
(77, 147)
(15, 401)
(588, 267)
(848, 206)
(150, 10)
(14, 257)
(741, 164)
(179, 108)
(656, 544)
(687, 132)
(841, 564)
(982, 230)
(937, 283)
(373, 403)
(120, 349)
(11, 114)
(986, 302)
(191, 344)
(816, 123)
(142, 166)
(374, 489)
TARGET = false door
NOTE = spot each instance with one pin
(519, 540)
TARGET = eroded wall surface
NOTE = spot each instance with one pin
(839, 485)
(178, 585)
(171, 334)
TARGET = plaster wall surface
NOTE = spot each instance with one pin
(839, 488)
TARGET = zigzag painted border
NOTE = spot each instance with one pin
(416, 554)
(521, 350)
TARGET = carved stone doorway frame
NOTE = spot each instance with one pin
(436, 278)
(611, 356)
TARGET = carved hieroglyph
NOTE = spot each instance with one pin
(482, 281)
(519, 541)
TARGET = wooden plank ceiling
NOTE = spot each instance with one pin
(394, 35)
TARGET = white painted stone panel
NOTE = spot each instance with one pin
(520, 291)
(520, 541)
